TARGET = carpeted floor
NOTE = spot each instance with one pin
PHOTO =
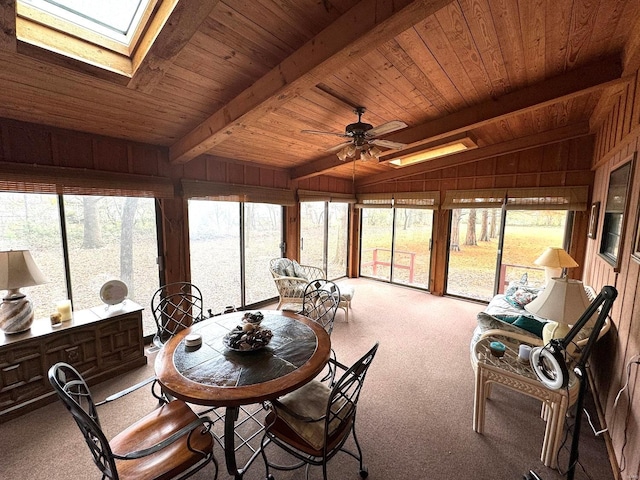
(414, 416)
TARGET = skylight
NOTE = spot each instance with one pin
(114, 19)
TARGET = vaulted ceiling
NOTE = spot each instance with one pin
(242, 80)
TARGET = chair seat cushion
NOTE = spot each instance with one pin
(153, 428)
(346, 292)
(309, 401)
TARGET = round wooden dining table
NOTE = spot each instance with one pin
(214, 375)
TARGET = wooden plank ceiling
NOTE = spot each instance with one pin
(254, 74)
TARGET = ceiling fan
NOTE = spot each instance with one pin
(363, 142)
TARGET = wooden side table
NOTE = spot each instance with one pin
(509, 372)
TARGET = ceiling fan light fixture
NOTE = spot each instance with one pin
(375, 151)
(342, 154)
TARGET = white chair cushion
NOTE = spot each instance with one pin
(346, 292)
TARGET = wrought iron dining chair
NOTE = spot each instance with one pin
(170, 442)
(320, 302)
(313, 423)
(175, 306)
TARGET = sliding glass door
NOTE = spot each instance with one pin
(487, 253)
(324, 232)
(412, 246)
(474, 242)
(262, 240)
(396, 245)
(231, 244)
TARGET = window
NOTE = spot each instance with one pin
(496, 235)
(226, 273)
(113, 35)
(324, 232)
(106, 237)
(614, 214)
(116, 19)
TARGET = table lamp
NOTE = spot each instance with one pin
(554, 260)
(17, 270)
(562, 302)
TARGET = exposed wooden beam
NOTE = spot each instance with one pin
(8, 26)
(589, 78)
(357, 32)
(512, 146)
(317, 167)
(171, 29)
(583, 80)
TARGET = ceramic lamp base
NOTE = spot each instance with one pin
(16, 314)
(554, 330)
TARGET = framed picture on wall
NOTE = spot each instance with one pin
(593, 220)
(615, 213)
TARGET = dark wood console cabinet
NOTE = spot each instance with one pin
(100, 342)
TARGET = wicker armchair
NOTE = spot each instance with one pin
(291, 278)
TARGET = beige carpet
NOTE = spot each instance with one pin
(414, 418)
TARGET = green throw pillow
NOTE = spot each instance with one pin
(524, 322)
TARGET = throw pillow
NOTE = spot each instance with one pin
(524, 322)
(490, 322)
(521, 297)
(298, 271)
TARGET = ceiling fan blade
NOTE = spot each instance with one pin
(316, 132)
(338, 147)
(388, 144)
(385, 128)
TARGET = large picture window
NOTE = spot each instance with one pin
(106, 238)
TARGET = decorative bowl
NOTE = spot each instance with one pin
(247, 338)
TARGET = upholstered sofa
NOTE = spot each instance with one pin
(291, 278)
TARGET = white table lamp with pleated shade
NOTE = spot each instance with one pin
(17, 270)
(555, 260)
(562, 302)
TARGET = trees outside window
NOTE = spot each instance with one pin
(106, 238)
(484, 264)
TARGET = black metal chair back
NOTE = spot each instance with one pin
(75, 395)
(170, 442)
(175, 306)
(320, 302)
(338, 419)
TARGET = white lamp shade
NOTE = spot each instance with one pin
(18, 269)
(555, 257)
(563, 301)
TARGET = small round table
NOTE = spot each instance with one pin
(509, 372)
(212, 375)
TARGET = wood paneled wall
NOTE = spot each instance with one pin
(617, 140)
